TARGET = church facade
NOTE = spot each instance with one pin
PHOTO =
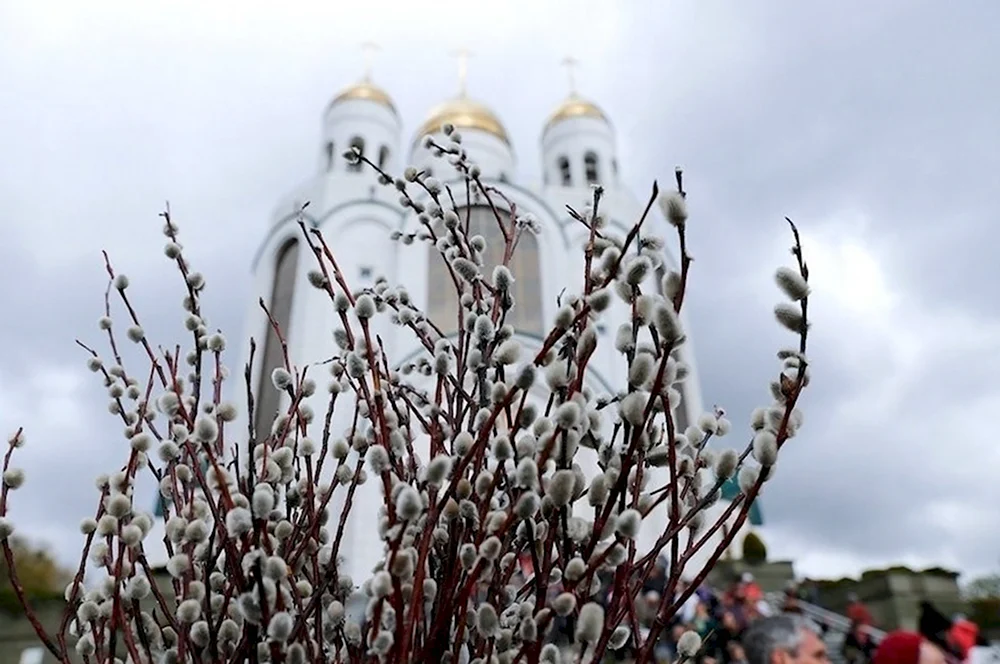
(361, 219)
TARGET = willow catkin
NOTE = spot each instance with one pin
(689, 644)
(791, 283)
(765, 448)
(590, 623)
(560, 488)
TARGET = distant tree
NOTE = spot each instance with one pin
(984, 587)
(983, 596)
(754, 549)
(38, 572)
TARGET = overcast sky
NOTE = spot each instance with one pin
(875, 125)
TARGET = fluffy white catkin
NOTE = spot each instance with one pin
(689, 644)
(590, 623)
(791, 283)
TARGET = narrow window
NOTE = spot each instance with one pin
(282, 292)
(564, 174)
(590, 167)
(383, 156)
(614, 167)
(329, 156)
(358, 144)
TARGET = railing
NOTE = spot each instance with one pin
(823, 616)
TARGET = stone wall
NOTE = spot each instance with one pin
(770, 576)
(17, 635)
(894, 595)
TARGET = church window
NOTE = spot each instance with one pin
(614, 167)
(590, 167)
(383, 156)
(330, 158)
(442, 299)
(358, 144)
(564, 174)
(366, 272)
(280, 306)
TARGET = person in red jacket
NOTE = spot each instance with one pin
(902, 647)
(963, 635)
(857, 612)
(751, 589)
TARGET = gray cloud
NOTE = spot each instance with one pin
(872, 126)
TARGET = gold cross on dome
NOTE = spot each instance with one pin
(368, 50)
(463, 55)
(571, 63)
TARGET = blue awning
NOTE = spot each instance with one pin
(731, 489)
(161, 505)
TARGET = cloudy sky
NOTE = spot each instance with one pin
(875, 125)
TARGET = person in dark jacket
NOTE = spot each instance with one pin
(936, 628)
(727, 630)
(790, 604)
(859, 647)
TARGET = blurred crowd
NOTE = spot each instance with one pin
(721, 617)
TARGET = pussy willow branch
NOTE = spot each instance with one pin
(459, 511)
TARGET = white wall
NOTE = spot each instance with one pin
(356, 216)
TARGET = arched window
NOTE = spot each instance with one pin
(280, 306)
(564, 175)
(329, 156)
(383, 156)
(358, 144)
(590, 167)
(442, 298)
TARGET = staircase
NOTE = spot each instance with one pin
(837, 626)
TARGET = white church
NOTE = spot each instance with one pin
(357, 215)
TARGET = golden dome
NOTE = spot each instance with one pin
(367, 91)
(463, 113)
(575, 107)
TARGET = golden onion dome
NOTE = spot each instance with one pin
(463, 113)
(367, 91)
(574, 107)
